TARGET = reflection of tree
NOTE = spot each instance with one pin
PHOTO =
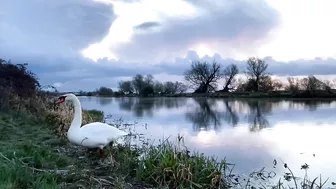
(203, 117)
(230, 116)
(126, 103)
(169, 102)
(258, 110)
(141, 106)
(103, 101)
(309, 104)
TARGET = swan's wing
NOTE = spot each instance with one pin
(98, 129)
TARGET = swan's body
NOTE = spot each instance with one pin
(92, 135)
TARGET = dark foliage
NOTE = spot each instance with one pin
(17, 79)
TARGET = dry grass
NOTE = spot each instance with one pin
(61, 116)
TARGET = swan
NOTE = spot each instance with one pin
(91, 135)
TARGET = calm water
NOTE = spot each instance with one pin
(249, 133)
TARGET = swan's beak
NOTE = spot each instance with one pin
(60, 101)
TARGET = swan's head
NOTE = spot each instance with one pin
(66, 97)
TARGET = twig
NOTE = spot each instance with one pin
(6, 158)
(101, 181)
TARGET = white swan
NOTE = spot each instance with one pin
(92, 135)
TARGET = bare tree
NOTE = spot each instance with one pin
(293, 84)
(138, 83)
(256, 70)
(229, 73)
(277, 84)
(311, 84)
(180, 87)
(158, 87)
(204, 76)
(334, 83)
(126, 87)
(328, 85)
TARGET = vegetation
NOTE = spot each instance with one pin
(204, 79)
(34, 151)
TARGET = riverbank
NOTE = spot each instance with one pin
(36, 154)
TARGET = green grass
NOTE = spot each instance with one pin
(27, 153)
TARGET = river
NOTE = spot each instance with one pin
(250, 133)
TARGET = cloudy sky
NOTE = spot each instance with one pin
(85, 44)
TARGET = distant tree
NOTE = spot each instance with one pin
(104, 91)
(180, 87)
(246, 85)
(169, 88)
(266, 84)
(277, 84)
(293, 84)
(158, 87)
(174, 88)
(311, 84)
(229, 74)
(148, 90)
(138, 83)
(149, 80)
(256, 70)
(333, 83)
(328, 85)
(126, 87)
(203, 76)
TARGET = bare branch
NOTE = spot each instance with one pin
(229, 73)
(204, 76)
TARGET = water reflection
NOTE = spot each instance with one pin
(209, 113)
(247, 132)
(258, 112)
(139, 106)
(311, 105)
(145, 106)
(104, 101)
(203, 117)
(230, 116)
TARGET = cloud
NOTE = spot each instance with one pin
(42, 28)
(50, 34)
(147, 25)
(222, 24)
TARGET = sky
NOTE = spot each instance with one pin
(84, 44)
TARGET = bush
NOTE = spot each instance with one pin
(20, 89)
(17, 79)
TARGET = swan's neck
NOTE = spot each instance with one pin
(77, 120)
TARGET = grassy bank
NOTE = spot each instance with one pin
(36, 154)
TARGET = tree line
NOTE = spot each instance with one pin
(142, 86)
(208, 77)
(202, 77)
(205, 77)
